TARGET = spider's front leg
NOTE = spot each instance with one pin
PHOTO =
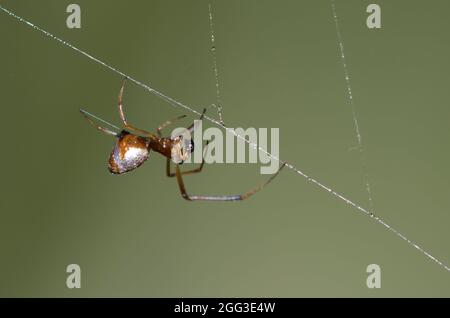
(167, 123)
(192, 126)
(171, 121)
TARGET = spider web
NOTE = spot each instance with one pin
(352, 105)
(218, 104)
(220, 123)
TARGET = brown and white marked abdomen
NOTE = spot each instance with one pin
(129, 152)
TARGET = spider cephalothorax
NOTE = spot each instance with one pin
(181, 149)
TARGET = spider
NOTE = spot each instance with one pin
(133, 145)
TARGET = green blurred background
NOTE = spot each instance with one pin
(134, 236)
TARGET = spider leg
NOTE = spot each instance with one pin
(167, 123)
(191, 127)
(122, 115)
(237, 197)
(102, 129)
(173, 174)
(196, 170)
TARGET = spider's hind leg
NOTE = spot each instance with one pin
(102, 129)
(122, 115)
